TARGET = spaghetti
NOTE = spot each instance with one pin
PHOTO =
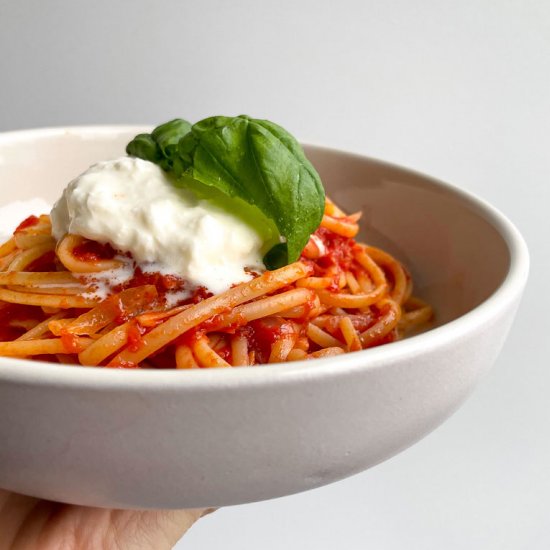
(341, 296)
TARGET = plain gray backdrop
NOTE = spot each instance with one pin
(459, 90)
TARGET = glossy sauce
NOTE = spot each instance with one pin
(336, 257)
(26, 223)
(92, 251)
(261, 334)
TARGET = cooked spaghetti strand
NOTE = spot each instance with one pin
(53, 346)
(177, 325)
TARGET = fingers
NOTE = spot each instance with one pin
(27, 522)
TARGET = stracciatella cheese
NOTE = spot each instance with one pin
(132, 204)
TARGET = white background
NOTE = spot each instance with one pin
(457, 89)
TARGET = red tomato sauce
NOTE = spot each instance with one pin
(164, 359)
(261, 334)
(135, 337)
(338, 256)
(92, 251)
(190, 337)
(225, 353)
(164, 284)
(70, 343)
(26, 223)
(16, 312)
(46, 262)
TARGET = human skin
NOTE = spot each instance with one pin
(28, 523)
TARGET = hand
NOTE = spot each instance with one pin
(28, 523)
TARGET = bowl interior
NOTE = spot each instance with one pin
(455, 254)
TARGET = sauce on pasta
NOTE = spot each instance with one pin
(340, 296)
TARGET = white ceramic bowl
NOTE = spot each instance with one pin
(173, 439)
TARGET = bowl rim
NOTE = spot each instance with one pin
(23, 371)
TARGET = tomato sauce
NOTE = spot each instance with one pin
(92, 251)
(225, 353)
(360, 321)
(15, 312)
(337, 257)
(46, 262)
(70, 343)
(261, 334)
(338, 250)
(162, 292)
(164, 359)
(215, 321)
(199, 294)
(26, 223)
(164, 284)
(190, 337)
(135, 336)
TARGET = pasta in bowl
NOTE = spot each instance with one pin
(341, 296)
(167, 263)
(226, 436)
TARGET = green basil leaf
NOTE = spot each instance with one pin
(144, 147)
(255, 161)
(167, 136)
(161, 146)
(276, 256)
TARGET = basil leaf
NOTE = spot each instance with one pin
(255, 161)
(161, 146)
(144, 147)
(277, 256)
(167, 136)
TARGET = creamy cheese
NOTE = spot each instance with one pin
(133, 205)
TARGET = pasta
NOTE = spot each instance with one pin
(341, 296)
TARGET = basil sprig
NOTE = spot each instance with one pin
(248, 160)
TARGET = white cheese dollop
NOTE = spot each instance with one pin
(132, 204)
